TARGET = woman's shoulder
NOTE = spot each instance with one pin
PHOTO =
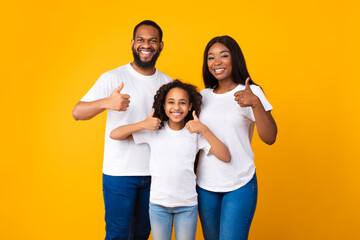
(206, 91)
(257, 90)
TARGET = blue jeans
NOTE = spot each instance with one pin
(184, 218)
(227, 215)
(126, 207)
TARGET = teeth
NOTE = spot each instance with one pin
(176, 114)
(219, 70)
(145, 52)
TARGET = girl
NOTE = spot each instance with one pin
(173, 148)
(232, 103)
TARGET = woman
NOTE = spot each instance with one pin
(232, 103)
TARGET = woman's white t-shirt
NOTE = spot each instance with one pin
(172, 156)
(234, 126)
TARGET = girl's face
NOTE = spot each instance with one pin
(219, 62)
(176, 107)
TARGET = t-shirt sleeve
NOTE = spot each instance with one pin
(260, 94)
(143, 136)
(203, 144)
(102, 88)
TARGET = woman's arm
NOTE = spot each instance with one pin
(122, 132)
(218, 148)
(265, 123)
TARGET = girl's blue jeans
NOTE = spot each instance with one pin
(184, 219)
(227, 215)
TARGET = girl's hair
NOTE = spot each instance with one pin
(160, 96)
(239, 69)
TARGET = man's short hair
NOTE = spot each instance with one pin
(149, 23)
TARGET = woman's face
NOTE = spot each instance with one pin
(219, 61)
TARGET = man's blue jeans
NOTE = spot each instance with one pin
(227, 215)
(126, 207)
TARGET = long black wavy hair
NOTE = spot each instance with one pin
(239, 69)
(160, 96)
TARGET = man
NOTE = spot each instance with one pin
(126, 176)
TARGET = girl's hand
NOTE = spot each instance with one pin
(246, 98)
(151, 123)
(195, 126)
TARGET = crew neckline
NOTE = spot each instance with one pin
(237, 88)
(139, 75)
(172, 130)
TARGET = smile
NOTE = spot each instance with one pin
(145, 52)
(176, 114)
(219, 70)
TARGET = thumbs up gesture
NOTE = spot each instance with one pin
(151, 123)
(195, 126)
(246, 98)
(118, 101)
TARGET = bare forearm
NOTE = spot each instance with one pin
(88, 110)
(218, 148)
(116, 102)
(265, 124)
(122, 132)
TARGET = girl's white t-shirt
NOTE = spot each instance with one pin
(172, 156)
(234, 126)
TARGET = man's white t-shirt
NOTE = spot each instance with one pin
(173, 181)
(234, 126)
(124, 157)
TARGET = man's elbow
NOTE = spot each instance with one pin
(79, 112)
(75, 114)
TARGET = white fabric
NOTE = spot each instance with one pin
(234, 126)
(124, 157)
(173, 182)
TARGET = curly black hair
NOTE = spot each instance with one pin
(160, 96)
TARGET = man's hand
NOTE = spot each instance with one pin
(117, 101)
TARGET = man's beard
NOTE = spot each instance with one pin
(145, 65)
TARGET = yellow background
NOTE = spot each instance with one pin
(304, 54)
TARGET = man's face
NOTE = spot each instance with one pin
(146, 46)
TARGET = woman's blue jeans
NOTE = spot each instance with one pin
(126, 207)
(227, 215)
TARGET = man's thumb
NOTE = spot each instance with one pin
(120, 87)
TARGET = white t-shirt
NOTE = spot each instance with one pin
(173, 181)
(234, 126)
(124, 157)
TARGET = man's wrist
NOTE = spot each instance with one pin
(104, 103)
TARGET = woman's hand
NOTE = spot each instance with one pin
(246, 98)
(265, 123)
